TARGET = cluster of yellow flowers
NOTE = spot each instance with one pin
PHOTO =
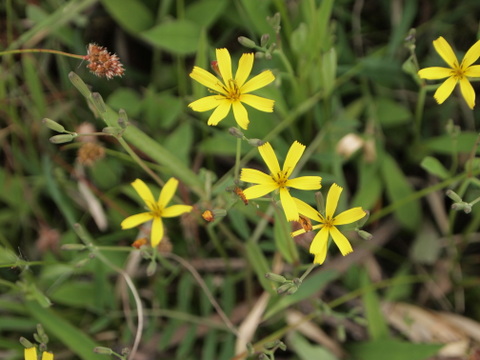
(231, 93)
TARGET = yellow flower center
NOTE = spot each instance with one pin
(458, 72)
(328, 222)
(280, 178)
(155, 209)
(232, 90)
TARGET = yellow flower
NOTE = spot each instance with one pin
(232, 92)
(328, 224)
(279, 179)
(31, 354)
(456, 73)
(157, 209)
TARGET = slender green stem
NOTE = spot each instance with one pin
(419, 194)
(140, 162)
(419, 111)
(49, 51)
(238, 156)
(308, 271)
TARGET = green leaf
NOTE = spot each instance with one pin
(257, 260)
(370, 186)
(132, 15)
(391, 113)
(396, 350)
(283, 241)
(377, 327)
(398, 188)
(126, 99)
(72, 338)
(305, 350)
(434, 167)
(310, 286)
(205, 12)
(179, 37)
(445, 144)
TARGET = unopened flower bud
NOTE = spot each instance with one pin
(73, 247)
(79, 84)
(122, 119)
(467, 208)
(264, 40)
(61, 139)
(53, 125)
(246, 42)
(259, 55)
(453, 195)
(364, 235)
(320, 202)
(236, 132)
(275, 277)
(151, 268)
(256, 142)
(293, 289)
(115, 131)
(97, 100)
(103, 350)
(283, 289)
(26, 343)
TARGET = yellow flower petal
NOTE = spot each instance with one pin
(207, 79)
(206, 103)
(307, 210)
(294, 154)
(444, 49)
(220, 113)
(289, 206)
(245, 65)
(135, 220)
(473, 71)
(467, 92)
(176, 210)
(258, 102)
(321, 256)
(434, 73)
(332, 200)
(255, 176)
(257, 191)
(144, 192)
(472, 55)
(349, 216)
(268, 155)
(305, 183)
(224, 64)
(30, 353)
(319, 243)
(167, 193)
(257, 82)
(157, 231)
(240, 114)
(341, 241)
(47, 355)
(444, 90)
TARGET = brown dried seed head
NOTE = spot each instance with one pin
(102, 63)
(89, 153)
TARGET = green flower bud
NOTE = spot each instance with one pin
(61, 139)
(53, 125)
(264, 40)
(79, 84)
(255, 142)
(25, 342)
(236, 132)
(151, 268)
(453, 195)
(122, 119)
(98, 102)
(467, 208)
(103, 350)
(275, 277)
(246, 42)
(115, 131)
(283, 289)
(73, 247)
(364, 235)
